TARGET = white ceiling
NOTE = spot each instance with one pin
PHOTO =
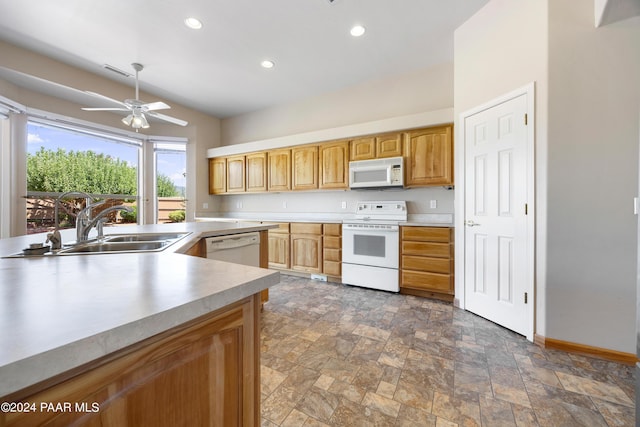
(217, 69)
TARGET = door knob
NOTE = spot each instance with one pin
(470, 223)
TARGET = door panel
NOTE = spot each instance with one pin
(496, 155)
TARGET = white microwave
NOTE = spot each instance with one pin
(377, 173)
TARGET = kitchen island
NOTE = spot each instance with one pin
(154, 338)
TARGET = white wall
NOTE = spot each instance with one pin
(587, 103)
(594, 100)
(501, 48)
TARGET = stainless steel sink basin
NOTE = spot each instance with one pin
(110, 247)
(143, 237)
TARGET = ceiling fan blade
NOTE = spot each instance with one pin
(151, 106)
(107, 98)
(167, 118)
(104, 109)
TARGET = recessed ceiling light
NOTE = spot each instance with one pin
(193, 23)
(267, 64)
(357, 30)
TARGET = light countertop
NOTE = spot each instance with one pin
(60, 312)
(413, 220)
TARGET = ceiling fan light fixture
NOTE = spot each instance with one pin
(193, 23)
(128, 120)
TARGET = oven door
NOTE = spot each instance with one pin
(371, 244)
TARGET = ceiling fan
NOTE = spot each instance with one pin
(138, 110)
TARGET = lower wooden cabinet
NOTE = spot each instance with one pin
(427, 262)
(332, 250)
(206, 372)
(306, 247)
(279, 247)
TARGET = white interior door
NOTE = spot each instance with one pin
(496, 171)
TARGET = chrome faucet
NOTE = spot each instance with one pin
(54, 237)
(84, 222)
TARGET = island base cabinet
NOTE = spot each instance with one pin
(202, 373)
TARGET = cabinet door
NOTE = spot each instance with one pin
(429, 156)
(334, 165)
(235, 174)
(363, 148)
(306, 253)
(304, 174)
(217, 175)
(256, 171)
(279, 173)
(278, 250)
(389, 145)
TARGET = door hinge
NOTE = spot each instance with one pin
(526, 209)
(526, 116)
(526, 297)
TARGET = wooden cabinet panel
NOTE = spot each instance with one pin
(235, 174)
(279, 170)
(203, 373)
(217, 175)
(389, 145)
(334, 165)
(426, 266)
(429, 156)
(332, 229)
(332, 268)
(283, 227)
(331, 254)
(256, 164)
(278, 250)
(306, 228)
(306, 253)
(363, 148)
(304, 169)
(427, 234)
(332, 242)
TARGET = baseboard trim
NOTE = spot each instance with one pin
(602, 353)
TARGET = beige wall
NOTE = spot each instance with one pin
(203, 130)
(586, 143)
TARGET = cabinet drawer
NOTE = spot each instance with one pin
(332, 242)
(428, 249)
(332, 229)
(427, 281)
(432, 265)
(332, 268)
(283, 228)
(332, 254)
(427, 234)
(306, 228)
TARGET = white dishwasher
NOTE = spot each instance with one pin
(237, 248)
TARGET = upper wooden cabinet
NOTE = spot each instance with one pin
(235, 174)
(334, 165)
(256, 164)
(279, 170)
(376, 147)
(304, 167)
(217, 175)
(429, 156)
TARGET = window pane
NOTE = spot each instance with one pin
(61, 160)
(171, 164)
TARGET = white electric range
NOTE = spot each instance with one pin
(370, 245)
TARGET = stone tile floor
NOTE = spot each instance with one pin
(334, 355)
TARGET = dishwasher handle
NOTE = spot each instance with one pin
(220, 243)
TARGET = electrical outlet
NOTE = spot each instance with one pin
(239, 205)
(284, 205)
(433, 204)
(343, 205)
(205, 206)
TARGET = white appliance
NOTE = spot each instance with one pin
(237, 248)
(377, 173)
(371, 245)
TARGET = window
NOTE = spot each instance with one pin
(171, 181)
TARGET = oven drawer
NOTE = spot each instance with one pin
(426, 264)
(429, 249)
(426, 281)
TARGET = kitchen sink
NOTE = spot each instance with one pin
(109, 247)
(114, 243)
